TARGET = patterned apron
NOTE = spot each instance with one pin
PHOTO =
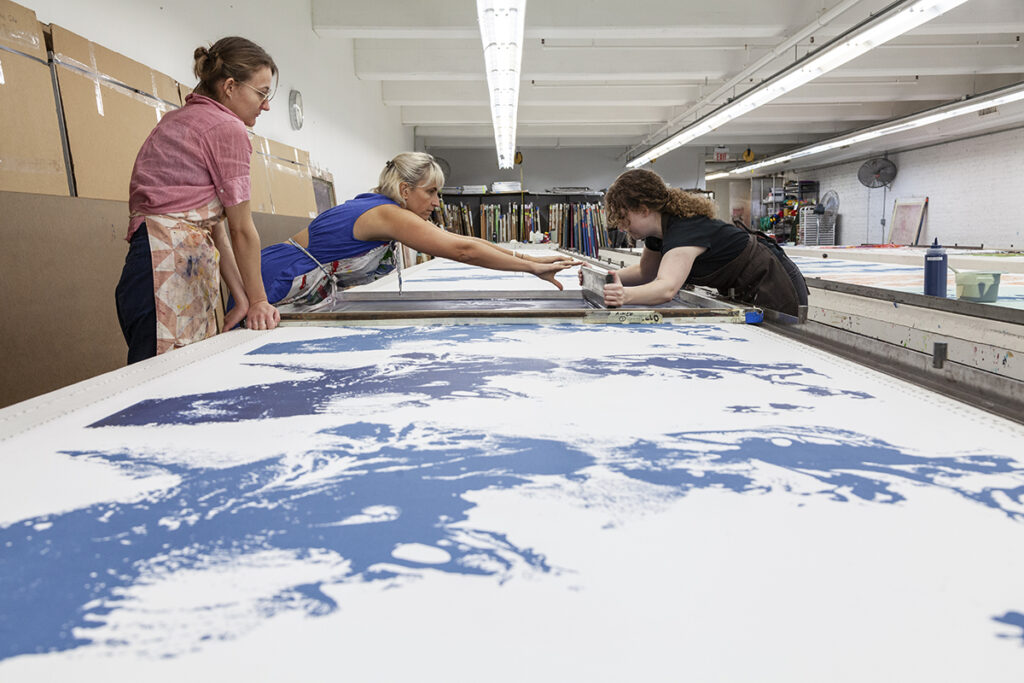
(186, 275)
(319, 285)
(758, 277)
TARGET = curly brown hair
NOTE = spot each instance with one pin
(639, 188)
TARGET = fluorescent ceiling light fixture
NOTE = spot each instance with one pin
(900, 19)
(1013, 93)
(501, 31)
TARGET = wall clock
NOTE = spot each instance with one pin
(295, 109)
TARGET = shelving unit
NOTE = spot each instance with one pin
(576, 213)
(455, 217)
(778, 205)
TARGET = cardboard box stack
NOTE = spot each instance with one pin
(78, 118)
(31, 152)
(73, 122)
(110, 104)
(282, 181)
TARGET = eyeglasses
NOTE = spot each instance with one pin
(267, 96)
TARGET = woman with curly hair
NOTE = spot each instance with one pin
(344, 245)
(685, 244)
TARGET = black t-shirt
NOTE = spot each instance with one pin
(722, 241)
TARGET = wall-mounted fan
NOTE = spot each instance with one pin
(877, 172)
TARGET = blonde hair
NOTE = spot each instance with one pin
(639, 188)
(231, 57)
(415, 168)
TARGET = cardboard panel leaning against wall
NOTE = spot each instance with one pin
(289, 180)
(64, 329)
(259, 174)
(31, 154)
(110, 105)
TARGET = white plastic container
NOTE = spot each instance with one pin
(977, 286)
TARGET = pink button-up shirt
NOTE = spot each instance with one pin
(194, 154)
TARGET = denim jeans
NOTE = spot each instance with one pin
(136, 305)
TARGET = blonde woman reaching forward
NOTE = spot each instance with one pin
(347, 242)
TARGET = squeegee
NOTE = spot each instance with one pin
(594, 280)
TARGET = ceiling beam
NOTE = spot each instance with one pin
(543, 130)
(933, 61)
(459, 115)
(445, 93)
(822, 91)
(459, 60)
(397, 60)
(896, 88)
(619, 143)
(688, 19)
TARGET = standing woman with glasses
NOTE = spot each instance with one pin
(190, 174)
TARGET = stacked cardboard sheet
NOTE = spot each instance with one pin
(31, 155)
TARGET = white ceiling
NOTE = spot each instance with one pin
(627, 74)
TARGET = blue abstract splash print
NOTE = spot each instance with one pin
(104, 548)
(353, 490)
(1014, 619)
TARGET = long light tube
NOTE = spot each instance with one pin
(995, 98)
(501, 32)
(899, 20)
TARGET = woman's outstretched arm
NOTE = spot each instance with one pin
(672, 273)
(389, 222)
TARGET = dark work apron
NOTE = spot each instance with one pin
(760, 277)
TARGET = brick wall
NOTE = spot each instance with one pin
(975, 191)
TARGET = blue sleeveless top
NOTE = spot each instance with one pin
(330, 239)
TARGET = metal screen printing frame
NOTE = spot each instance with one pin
(445, 291)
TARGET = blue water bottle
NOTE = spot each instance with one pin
(935, 266)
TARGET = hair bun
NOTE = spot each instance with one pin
(229, 57)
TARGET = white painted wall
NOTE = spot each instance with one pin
(594, 167)
(975, 191)
(347, 130)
